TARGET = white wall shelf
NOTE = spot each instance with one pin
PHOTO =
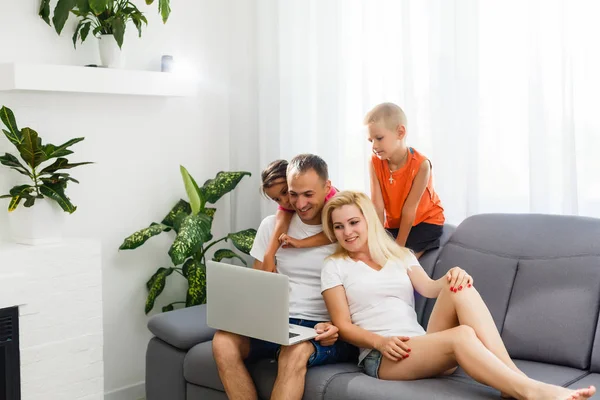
(73, 79)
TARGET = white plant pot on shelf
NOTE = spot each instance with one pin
(110, 53)
(40, 224)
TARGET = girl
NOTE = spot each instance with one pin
(368, 288)
(274, 186)
(401, 183)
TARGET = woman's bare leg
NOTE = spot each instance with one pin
(434, 353)
(466, 307)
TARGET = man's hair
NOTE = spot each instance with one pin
(304, 162)
(381, 245)
(275, 171)
(388, 114)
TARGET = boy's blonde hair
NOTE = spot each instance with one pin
(388, 114)
(381, 245)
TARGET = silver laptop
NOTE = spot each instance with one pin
(251, 303)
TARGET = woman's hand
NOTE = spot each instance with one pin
(458, 279)
(289, 242)
(393, 348)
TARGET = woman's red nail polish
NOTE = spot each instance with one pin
(408, 350)
(406, 356)
(470, 285)
(460, 288)
(451, 289)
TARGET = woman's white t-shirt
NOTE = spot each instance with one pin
(381, 302)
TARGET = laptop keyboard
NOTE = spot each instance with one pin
(293, 335)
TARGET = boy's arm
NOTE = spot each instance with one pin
(282, 224)
(409, 210)
(376, 196)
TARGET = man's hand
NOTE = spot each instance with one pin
(327, 333)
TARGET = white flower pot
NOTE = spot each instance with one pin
(40, 224)
(110, 53)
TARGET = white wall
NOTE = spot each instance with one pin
(138, 144)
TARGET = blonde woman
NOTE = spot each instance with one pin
(368, 288)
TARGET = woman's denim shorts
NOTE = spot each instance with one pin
(371, 363)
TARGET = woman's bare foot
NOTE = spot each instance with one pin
(547, 392)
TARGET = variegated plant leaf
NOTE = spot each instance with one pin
(56, 191)
(192, 190)
(189, 263)
(193, 232)
(139, 238)
(8, 118)
(243, 240)
(196, 293)
(153, 277)
(31, 148)
(226, 253)
(158, 285)
(210, 211)
(224, 182)
(182, 206)
(168, 307)
(13, 162)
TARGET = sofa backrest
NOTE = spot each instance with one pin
(539, 276)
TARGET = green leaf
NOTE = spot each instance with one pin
(19, 193)
(13, 162)
(157, 287)
(168, 307)
(31, 148)
(83, 6)
(61, 163)
(243, 240)
(85, 31)
(61, 14)
(189, 263)
(226, 253)
(193, 232)
(196, 293)
(57, 193)
(149, 2)
(223, 183)
(98, 6)
(118, 28)
(8, 119)
(192, 190)
(153, 277)
(140, 237)
(182, 206)
(209, 211)
(44, 11)
(53, 151)
(164, 9)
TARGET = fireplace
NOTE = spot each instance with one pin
(10, 374)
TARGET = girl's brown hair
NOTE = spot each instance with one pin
(272, 173)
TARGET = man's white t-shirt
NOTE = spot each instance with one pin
(381, 302)
(302, 266)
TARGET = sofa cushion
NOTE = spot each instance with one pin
(548, 373)
(595, 361)
(182, 328)
(493, 276)
(552, 312)
(586, 381)
(358, 386)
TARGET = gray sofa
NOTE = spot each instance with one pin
(539, 275)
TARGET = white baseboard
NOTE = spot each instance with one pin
(132, 392)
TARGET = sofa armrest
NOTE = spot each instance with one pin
(183, 328)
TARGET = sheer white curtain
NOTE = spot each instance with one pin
(502, 96)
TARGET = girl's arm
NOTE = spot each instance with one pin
(282, 224)
(376, 196)
(409, 209)
(320, 239)
(394, 348)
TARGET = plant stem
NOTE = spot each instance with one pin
(35, 182)
(209, 246)
(178, 270)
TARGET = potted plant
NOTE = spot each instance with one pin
(192, 224)
(45, 185)
(105, 19)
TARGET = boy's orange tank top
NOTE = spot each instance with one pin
(394, 193)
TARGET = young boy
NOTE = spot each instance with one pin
(401, 182)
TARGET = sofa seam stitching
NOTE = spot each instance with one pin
(580, 377)
(520, 257)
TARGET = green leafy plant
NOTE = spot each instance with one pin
(46, 182)
(192, 224)
(100, 17)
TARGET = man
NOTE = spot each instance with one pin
(308, 185)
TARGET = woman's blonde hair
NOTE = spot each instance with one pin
(381, 245)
